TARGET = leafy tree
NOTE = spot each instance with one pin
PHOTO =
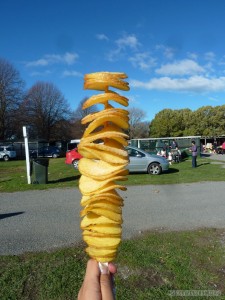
(168, 123)
(46, 108)
(161, 125)
(203, 119)
(187, 124)
(11, 95)
(218, 120)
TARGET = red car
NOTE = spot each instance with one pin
(73, 157)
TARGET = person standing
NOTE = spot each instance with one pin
(194, 153)
(174, 144)
(215, 146)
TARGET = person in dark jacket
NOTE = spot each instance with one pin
(194, 153)
(174, 144)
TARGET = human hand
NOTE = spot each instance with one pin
(97, 286)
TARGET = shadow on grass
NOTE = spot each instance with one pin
(8, 215)
(203, 164)
(171, 171)
(5, 180)
(205, 155)
(67, 179)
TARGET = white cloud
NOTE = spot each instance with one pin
(209, 67)
(221, 62)
(50, 59)
(68, 73)
(143, 60)
(39, 62)
(101, 37)
(210, 56)
(69, 58)
(128, 41)
(168, 52)
(113, 55)
(183, 67)
(192, 55)
(197, 84)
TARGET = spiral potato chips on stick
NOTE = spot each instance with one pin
(103, 165)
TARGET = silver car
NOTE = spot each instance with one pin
(7, 152)
(141, 161)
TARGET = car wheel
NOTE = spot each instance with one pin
(6, 158)
(154, 169)
(75, 163)
(54, 155)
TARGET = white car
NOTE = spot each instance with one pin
(141, 161)
(7, 152)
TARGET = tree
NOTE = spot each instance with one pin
(187, 125)
(78, 115)
(138, 127)
(11, 95)
(161, 125)
(218, 120)
(209, 121)
(169, 123)
(46, 108)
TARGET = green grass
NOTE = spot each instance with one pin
(183, 172)
(149, 267)
(13, 175)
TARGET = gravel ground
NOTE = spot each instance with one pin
(44, 220)
(215, 156)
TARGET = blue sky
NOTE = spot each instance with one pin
(173, 51)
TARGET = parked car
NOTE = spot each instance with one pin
(141, 161)
(219, 150)
(73, 157)
(46, 151)
(7, 152)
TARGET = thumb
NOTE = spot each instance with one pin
(106, 282)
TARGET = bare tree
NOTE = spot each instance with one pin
(138, 127)
(45, 108)
(78, 115)
(11, 93)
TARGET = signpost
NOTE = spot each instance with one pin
(27, 154)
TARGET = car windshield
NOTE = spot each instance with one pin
(134, 152)
(9, 148)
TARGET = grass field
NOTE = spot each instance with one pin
(153, 265)
(13, 175)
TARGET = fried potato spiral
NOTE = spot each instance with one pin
(103, 165)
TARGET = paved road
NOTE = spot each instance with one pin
(214, 156)
(42, 220)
